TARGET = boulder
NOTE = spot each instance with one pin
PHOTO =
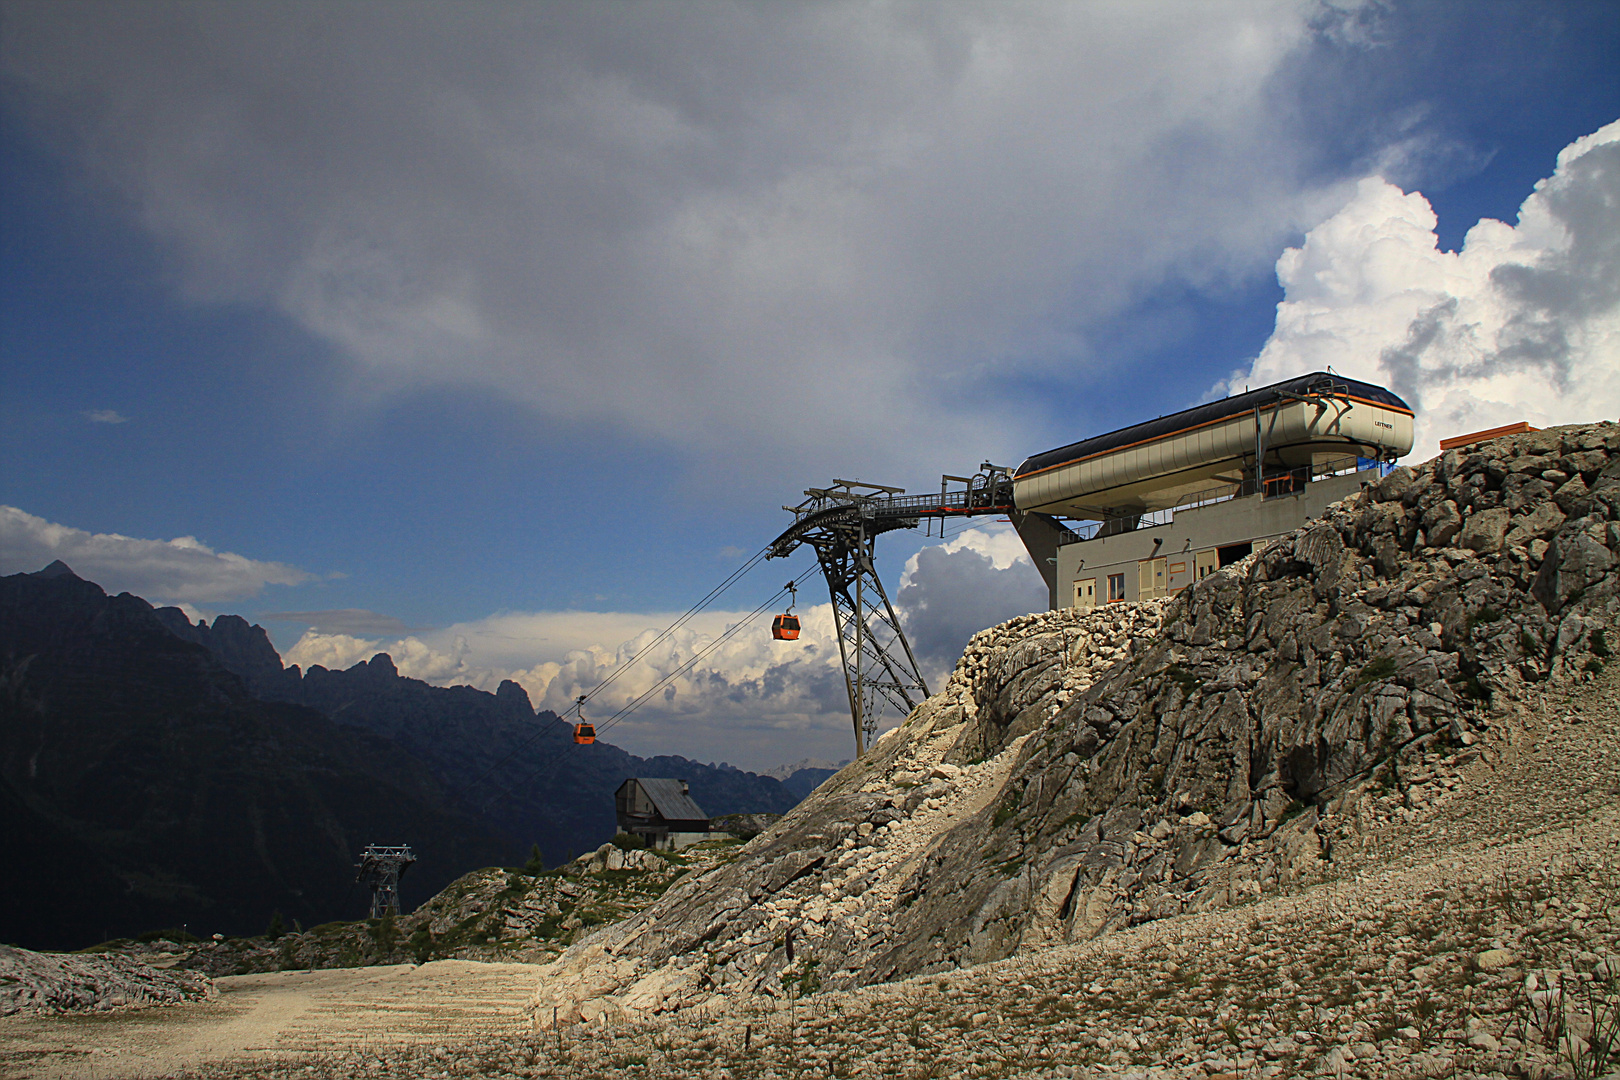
(1574, 563)
(1441, 523)
(1484, 531)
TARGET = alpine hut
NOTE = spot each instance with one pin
(661, 812)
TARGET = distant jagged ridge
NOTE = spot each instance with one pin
(519, 771)
(142, 786)
(1085, 771)
(805, 775)
(155, 771)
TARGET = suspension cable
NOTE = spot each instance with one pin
(688, 665)
(639, 701)
(691, 613)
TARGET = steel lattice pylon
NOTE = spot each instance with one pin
(842, 523)
(878, 665)
(381, 867)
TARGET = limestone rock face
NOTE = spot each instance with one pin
(54, 983)
(1083, 772)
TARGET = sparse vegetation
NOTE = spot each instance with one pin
(1182, 678)
(536, 864)
(1381, 667)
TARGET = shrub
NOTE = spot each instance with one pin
(629, 842)
(1381, 668)
(536, 864)
(1182, 678)
(276, 927)
(385, 933)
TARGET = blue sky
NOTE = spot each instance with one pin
(474, 316)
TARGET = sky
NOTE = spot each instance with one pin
(494, 335)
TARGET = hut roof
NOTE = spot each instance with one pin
(673, 803)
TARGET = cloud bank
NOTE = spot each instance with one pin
(949, 592)
(753, 699)
(344, 621)
(696, 222)
(1522, 323)
(183, 570)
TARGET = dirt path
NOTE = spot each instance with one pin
(263, 1016)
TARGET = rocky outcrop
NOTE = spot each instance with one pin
(1083, 772)
(241, 647)
(56, 983)
(492, 914)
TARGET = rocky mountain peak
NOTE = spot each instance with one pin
(513, 696)
(381, 667)
(243, 648)
(1083, 772)
(56, 569)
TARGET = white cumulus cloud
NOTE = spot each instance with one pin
(749, 698)
(1521, 323)
(165, 571)
(949, 592)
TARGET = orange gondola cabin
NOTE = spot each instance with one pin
(584, 733)
(785, 627)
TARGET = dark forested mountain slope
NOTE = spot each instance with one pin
(142, 785)
(155, 772)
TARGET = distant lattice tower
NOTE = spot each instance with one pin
(381, 867)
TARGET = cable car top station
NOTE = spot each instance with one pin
(1132, 514)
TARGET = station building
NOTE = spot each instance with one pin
(1146, 510)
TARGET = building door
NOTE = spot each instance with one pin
(1085, 594)
(1151, 579)
(1204, 565)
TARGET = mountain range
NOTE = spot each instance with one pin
(158, 772)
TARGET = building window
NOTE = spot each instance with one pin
(1116, 587)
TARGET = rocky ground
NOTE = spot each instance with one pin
(1469, 941)
(56, 983)
(1347, 806)
(492, 915)
(1086, 772)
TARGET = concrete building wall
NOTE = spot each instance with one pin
(1159, 560)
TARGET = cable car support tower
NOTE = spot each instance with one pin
(842, 522)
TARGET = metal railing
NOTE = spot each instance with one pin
(1291, 482)
(985, 500)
